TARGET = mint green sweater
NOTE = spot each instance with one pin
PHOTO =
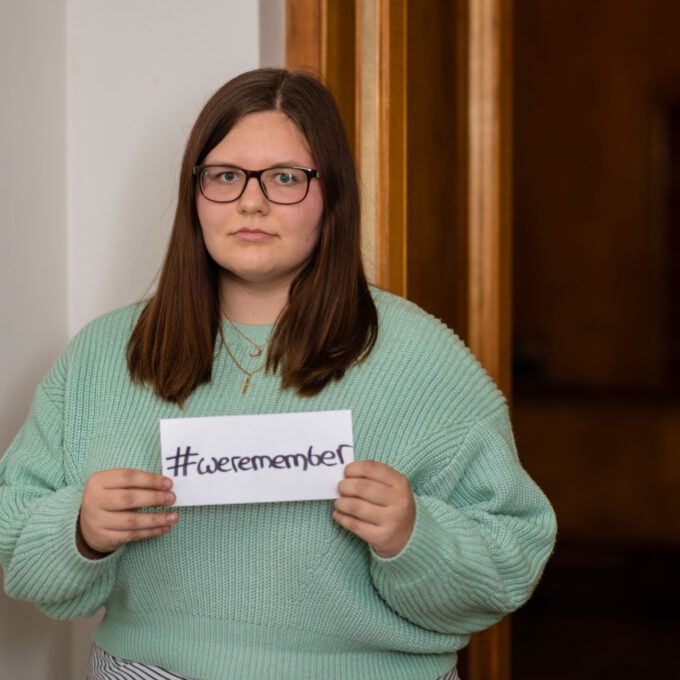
(278, 590)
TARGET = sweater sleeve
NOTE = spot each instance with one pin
(482, 535)
(38, 519)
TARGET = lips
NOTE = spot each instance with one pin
(246, 234)
(246, 230)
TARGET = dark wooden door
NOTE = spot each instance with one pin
(424, 88)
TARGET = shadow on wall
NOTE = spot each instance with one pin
(28, 641)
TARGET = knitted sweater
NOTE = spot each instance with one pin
(278, 590)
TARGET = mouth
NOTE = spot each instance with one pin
(247, 234)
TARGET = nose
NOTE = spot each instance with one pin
(253, 199)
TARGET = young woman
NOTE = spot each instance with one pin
(263, 307)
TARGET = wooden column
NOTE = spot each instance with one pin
(382, 138)
(304, 35)
(489, 241)
(489, 185)
(390, 228)
(481, 67)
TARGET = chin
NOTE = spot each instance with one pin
(259, 277)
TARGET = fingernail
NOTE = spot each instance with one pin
(172, 517)
(167, 483)
(170, 498)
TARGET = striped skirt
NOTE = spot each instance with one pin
(103, 666)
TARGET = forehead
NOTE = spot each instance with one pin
(262, 139)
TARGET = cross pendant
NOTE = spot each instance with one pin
(247, 383)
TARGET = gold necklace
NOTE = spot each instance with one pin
(247, 383)
(259, 348)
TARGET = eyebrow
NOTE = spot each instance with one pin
(279, 164)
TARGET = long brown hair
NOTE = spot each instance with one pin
(330, 321)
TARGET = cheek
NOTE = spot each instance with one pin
(210, 229)
(311, 236)
(205, 216)
(313, 219)
(214, 220)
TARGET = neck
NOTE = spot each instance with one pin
(256, 304)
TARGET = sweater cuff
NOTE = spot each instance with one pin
(421, 556)
(54, 568)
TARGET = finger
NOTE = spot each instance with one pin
(360, 509)
(112, 540)
(375, 470)
(129, 522)
(148, 533)
(384, 540)
(370, 533)
(121, 478)
(115, 500)
(368, 489)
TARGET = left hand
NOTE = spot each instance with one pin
(376, 503)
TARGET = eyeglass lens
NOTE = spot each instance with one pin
(281, 185)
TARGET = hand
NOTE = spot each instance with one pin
(108, 511)
(376, 503)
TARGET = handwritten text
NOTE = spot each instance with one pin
(184, 460)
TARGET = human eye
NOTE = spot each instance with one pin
(225, 175)
(286, 176)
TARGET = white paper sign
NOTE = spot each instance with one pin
(256, 459)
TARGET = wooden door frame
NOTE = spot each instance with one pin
(484, 177)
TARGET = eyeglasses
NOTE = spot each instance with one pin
(226, 183)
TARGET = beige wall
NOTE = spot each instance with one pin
(97, 101)
(33, 305)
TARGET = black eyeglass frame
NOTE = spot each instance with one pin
(310, 173)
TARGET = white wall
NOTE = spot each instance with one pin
(32, 201)
(138, 73)
(272, 32)
(33, 306)
(97, 101)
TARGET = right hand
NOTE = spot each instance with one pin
(108, 511)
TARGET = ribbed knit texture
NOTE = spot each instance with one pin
(279, 590)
